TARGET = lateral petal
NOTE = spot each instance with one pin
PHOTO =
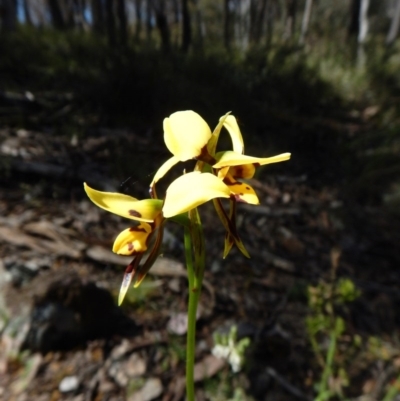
(185, 134)
(166, 166)
(232, 126)
(132, 241)
(191, 190)
(229, 158)
(212, 143)
(125, 205)
(241, 191)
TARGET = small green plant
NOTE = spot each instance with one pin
(326, 329)
(228, 347)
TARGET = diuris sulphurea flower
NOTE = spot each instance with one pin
(216, 176)
(188, 136)
(184, 194)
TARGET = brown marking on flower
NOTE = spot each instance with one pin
(134, 213)
(256, 165)
(230, 182)
(205, 157)
(137, 229)
(130, 246)
(248, 188)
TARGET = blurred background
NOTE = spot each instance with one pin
(314, 314)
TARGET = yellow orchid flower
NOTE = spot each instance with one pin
(191, 190)
(187, 136)
(184, 194)
(229, 167)
(125, 205)
(232, 165)
(133, 241)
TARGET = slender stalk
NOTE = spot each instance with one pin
(194, 293)
(323, 391)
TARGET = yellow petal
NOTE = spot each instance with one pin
(186, 134)
(212, 143)
(164, 169)
(230, 158)
(241, 191)
(132, 240)
(125, 205)
(191, 190)
(232, 126)
(243, 171)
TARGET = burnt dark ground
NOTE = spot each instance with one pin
(57, 292)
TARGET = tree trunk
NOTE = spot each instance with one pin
(271, 16)
(97, 16)
(290, 23)
(363, 17)
(200, 29)
(149, 15)
(243, 26)
(257, 20)
(69, 12)
(8, 15)
(186, 27)
(306, 21)
(27, 12)
(110, 20)
(394, 25)
(354, 26)
(139, 19)
(122, 22)
(162, 25)
(227, 24)
(56, 14)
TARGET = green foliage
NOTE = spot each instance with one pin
(326, 330)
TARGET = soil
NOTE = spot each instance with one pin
(63, 337)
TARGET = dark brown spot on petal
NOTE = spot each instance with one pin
(248, 188)
(241, 194)
(230, 182)
(134, 213)
(205, 157)
(130, 246)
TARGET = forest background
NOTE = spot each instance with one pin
(317, 78)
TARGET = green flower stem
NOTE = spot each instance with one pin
(323, 391)
(194, 242)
